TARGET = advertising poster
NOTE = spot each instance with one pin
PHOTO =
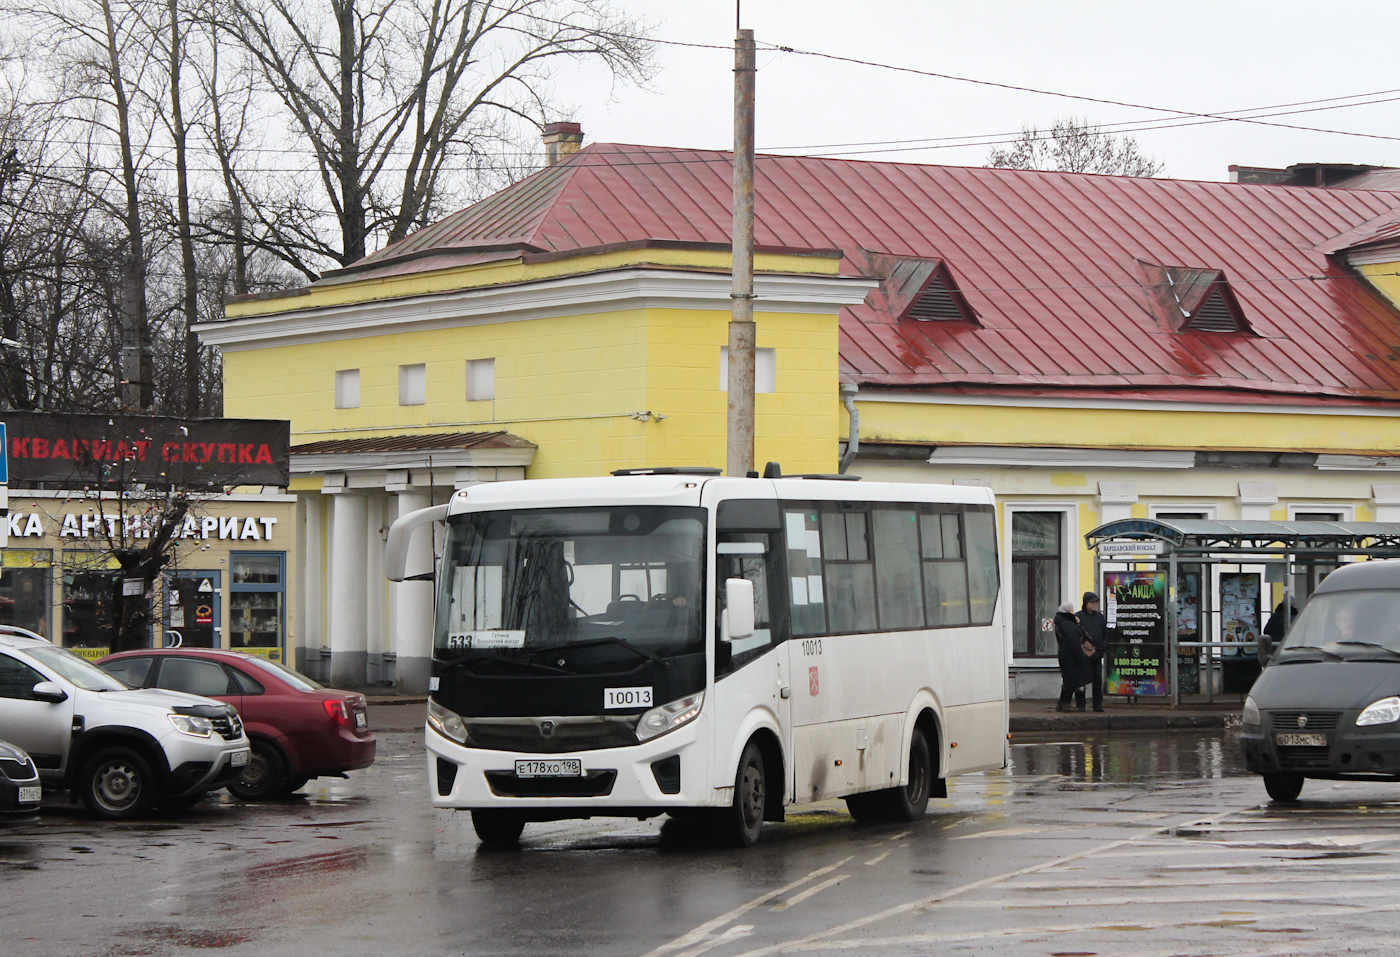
(1188, 618)
(1239, 607)
(1137, 615)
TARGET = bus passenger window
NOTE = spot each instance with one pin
(983, 576)
(899, 591)
(945, 572)
(804, 569)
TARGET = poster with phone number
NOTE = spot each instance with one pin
(1136, 609)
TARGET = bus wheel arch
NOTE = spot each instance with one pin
(774, 770)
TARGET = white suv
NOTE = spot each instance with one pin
(121, 751)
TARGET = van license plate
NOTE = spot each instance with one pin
(561, 768)
(1300, 740)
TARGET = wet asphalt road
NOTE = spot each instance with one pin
(1130, 844)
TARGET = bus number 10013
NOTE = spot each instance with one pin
(812, 646)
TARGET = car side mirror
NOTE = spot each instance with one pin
(49, 691)
(738, 611)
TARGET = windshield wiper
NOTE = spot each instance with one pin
(612, 640)
(490, 656)
(1390, 652)
(1320, 651)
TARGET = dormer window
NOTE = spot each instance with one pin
(939, 300)
(1199, 300)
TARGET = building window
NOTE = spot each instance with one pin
(413, 384)
(347, 389)
(1036, 581)
(1309, 572)
(765, 370)
(90, 597)
(481, 379)
(24, 589)
(256, 604)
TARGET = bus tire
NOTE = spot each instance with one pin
(498, 827)
(740, 824)
(1283, 787)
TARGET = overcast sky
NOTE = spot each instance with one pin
(1203, 56)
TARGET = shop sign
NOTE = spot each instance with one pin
(239, 528)
(164, 451)
(1136, 609)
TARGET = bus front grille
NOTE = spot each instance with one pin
(551, 735)
(594, 784)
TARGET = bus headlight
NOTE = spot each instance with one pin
(669, 717)
(447, 723)
(1251, 712)
(1384, 711)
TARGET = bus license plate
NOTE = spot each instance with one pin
(1300, 740)
(558, 768)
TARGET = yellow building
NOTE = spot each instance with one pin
(1090, 347)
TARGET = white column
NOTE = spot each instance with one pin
(376, 585)
(412, 634)
(1116, 501)
(1386, 502)
(311, 630)
(347, 607)
(1257, 500)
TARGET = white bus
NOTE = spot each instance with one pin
(716, 649)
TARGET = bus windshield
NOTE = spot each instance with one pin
(627, 581)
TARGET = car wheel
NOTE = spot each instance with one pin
(263, 776)
(291, 785)
(497, 827)
(117, 783)
(1283, 787)
(741, 824)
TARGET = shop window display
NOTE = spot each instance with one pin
(256, 600)
(24, 589)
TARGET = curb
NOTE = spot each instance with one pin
(1118, 722)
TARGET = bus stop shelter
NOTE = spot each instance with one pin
(1187, 596)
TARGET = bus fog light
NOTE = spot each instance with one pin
(1384, 711)
(447, 723)
(669, 717)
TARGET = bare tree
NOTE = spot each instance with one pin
(388, 97)
(1075, 145)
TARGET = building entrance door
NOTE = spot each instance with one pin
(192, 610)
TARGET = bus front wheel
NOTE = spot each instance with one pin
(497, 827)
(740, 824)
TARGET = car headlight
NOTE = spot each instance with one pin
(1251, 712)
(669, 717)
(192, 724)
(447, 723)
(1384, 711)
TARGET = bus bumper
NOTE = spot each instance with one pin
(669, 771)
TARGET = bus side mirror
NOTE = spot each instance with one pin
(738, 611)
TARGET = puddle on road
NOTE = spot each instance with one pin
(1147, 759)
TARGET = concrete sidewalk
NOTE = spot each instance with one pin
(408, 712)
(1143, 714)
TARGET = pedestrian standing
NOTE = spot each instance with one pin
(1095, 626)
(1074, 664)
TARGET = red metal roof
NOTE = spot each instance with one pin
(436, 442)
(1061, 270)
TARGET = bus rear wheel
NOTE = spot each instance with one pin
(498, 827)
(741, 824)
(901, 804)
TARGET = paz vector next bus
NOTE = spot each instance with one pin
(716, 649)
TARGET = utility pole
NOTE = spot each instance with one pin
(741, 325)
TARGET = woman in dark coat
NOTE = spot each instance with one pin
(1075, 669)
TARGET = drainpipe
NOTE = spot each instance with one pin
(848, 399)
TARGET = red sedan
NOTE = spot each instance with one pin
(298, 729)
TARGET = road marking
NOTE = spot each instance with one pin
(1006, 832)
(705, 931)
(799, 898)
(737, 932)
(878, 858)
